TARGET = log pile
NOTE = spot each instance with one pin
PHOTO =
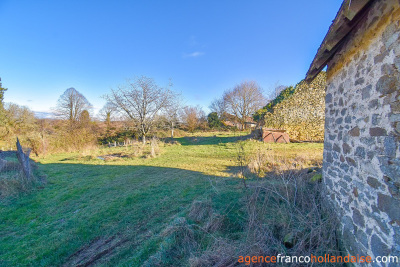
(303, 114)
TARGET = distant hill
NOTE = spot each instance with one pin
(44, 115)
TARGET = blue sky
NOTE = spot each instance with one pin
(205, 47)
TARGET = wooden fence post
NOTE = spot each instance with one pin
(24, 160)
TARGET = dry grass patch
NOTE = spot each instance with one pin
(12, 179)
(286, 213)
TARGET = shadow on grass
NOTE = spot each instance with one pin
(209, 140)
(97, 214)
(110, 214)
(252, 175)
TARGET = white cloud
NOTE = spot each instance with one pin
(194, 54)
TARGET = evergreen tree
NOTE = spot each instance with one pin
(2, 90)
(213, 120)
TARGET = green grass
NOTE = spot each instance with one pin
(127, 203)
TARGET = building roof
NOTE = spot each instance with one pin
(349, 14)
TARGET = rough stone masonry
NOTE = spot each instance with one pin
(361, 167)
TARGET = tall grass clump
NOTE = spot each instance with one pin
(179, 240)
(286, 213)
(12, 179)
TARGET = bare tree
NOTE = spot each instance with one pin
(244, 100)
(278, 89)
(193, 117)
(108, 112)
(171, 114)
(218, 106)
(141, 100)
(71, 104)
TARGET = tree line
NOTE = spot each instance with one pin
(139, 108)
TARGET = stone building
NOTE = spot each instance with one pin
(361, 166)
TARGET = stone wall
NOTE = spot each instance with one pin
(302, 114)
(362, 132)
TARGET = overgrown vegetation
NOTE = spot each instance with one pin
(283, 95)
(185, 207)
(13, 182)
(76, 131)
(173, 198)
(139, 109)
(300, 110)
(285, 213)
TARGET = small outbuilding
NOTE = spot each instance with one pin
(361, 168)
(274, 136)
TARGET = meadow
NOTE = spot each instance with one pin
(187, 205)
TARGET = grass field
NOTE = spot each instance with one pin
(136, 211)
